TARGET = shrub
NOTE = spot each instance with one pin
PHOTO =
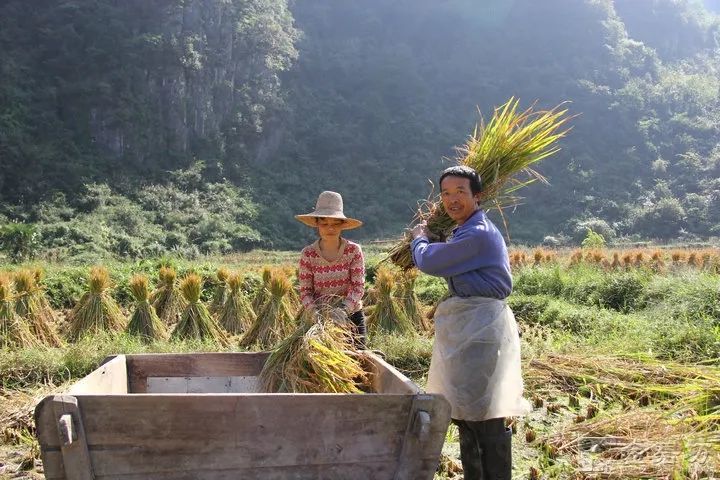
(621, 291)
(539, 280)
(528, 308)
(20, 241)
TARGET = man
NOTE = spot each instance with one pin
(476, 354)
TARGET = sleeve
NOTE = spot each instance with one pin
(353, 300)
(467, 251)
(305, 279)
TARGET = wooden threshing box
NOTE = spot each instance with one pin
(197, 416)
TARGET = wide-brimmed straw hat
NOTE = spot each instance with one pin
(329, 205)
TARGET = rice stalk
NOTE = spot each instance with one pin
(14, 332)
(167, 299)
(318, 357)
(387, 314)
(96, 311)
(276, 319)
(504, 152)
(236, 314)
(220, 291)
(263, 292)
(144, 321)
(32, 306)
(196, 322)
(410, 302)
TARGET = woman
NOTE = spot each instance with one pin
(333, 267)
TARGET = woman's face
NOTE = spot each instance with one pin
(329, 227)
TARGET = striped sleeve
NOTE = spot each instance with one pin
(305, 279)
(353, 301)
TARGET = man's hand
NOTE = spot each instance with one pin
(419, 230)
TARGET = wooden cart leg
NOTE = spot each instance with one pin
(76, 458)
(417, 433)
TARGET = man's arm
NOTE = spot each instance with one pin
(466, 252)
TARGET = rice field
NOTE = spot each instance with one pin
(621, 347)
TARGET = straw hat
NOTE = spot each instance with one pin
(329, 205)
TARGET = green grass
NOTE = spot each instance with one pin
(580, 310)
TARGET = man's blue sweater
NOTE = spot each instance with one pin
(474, 260)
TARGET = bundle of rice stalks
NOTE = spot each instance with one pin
(33, 307)
(236, 315)
(317, 358)
(167, 299)
(220, 292)
(14, 332)
(144, 321)
(276, 319)
(96, 311)
(500, 151)
(387, 314)
(410, 302)
(195, 321)
(263, 292)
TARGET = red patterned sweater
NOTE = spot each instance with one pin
(344, 277)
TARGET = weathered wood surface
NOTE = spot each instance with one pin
(110, 378)
(140, 367)
(254, 436)
(395, 434)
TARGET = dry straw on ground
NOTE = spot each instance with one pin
(317, 358)
(669, 425)
(96, 311)
(144, 321)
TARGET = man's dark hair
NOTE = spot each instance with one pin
(464, 172)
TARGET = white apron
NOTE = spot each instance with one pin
(476, 359)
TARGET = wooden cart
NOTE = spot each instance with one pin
(197, 416)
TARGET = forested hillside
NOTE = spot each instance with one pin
(137, 127)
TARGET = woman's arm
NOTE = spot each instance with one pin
(353, 300)
(305, 279)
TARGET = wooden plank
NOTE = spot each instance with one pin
(140, 367)
(109, 378)
(71, 434)
(235, 384)
(427, 424)
(161, 434)
(386, 379)
(359, 471)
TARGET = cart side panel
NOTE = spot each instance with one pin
(250, 436)
(386, 379)
(140, 367)
(109, 378)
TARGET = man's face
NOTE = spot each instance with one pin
(457, 198)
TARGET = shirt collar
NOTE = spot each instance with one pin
(477, 217)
